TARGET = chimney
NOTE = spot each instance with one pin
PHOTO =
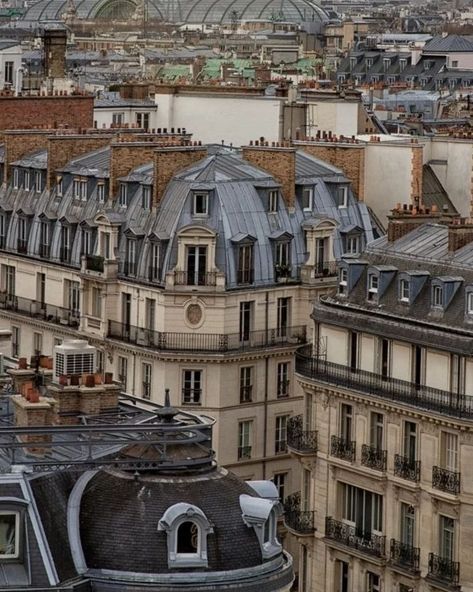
(278, 161)
(55, 41)
(406, 218)
(460, 233)
(168, 161)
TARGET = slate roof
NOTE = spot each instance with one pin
(450, 43)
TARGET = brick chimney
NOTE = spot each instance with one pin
(55, 41)
(279, 161)
(460, 233)
(406, 218)
(168, 160)
(20, 143)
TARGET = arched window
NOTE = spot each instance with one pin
(188, 537)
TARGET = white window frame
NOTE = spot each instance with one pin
(146, 197)
(83, 189)
(283, 381)
(273, 200)
(122, 198)
(147, 379)
(16, 178)
(437, 296)
(38, 181)
(373, 286)
(342, 191)
(204, 196)
(343, 281)
(449, 451)
(26, 180)
(246, 383)
(404, 290)
(59, 186)
(190, 378)
(245, 439)
(101, 192)
(307, 191)
(280, 481)
(280, 438)
(16, 553)
(352, 244)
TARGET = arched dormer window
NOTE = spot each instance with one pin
(261, 514)
(187, 528)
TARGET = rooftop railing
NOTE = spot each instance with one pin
(40, 310)
(394, 389)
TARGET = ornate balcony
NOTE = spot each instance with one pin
(301, 522)
(384, 387)
(448, 481)
(406, 468)
(94, 263)
(244, 452)
(187, 278)
(404, 555)
(325, 269)
(373, 457)
(351, 536)
(40, 310)
(299, 440)
(443, 569)
(206, 342)
(344, 449)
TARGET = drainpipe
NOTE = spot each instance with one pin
(266, 369)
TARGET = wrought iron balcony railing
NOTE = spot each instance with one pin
(129, 268)
(94, 263)
(245, 276)
(351, 536)
(22, 246)
(44, 251)
(205, 342)
(325, 269)
(65, 255)
(194, 278)
(154, 274)
(298, 439)
(40, 310)
(445, 480)
(299, 521)
(385, 387)
(406, 468)
(404, 555)
(246, 393)
(373, 457)
(283, 388)
(244, 452)
(444, 569)
(344, 449)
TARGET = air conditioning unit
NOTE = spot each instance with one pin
(74, 356)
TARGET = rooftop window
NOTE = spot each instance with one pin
(373, 284)
(343, 281)
(9, 535)
(404, 290)
(201, 204)
(273, 201)
(437, 296)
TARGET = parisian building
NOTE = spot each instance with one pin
(385, 439)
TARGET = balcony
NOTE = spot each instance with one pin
(246, 393)
(244, 452)
(406, 468)
(448, 481)
(284, 274)
(245, 276)
(404, 555)
(40, 310)
(65, 255)
(44, 251)
(299, 440)
(206, 342)
(344, 449)
(376, 385)
(154, 274)
(22, 246)
(94, 263)
(129, 268)
(443, 569)
(187, 278)
(351, 536)
(301, 522)
(325, 269)
(373, 457)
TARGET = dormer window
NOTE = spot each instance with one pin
(101, 192)
(9, 535)
(122, 198)
(83, 189)
(342, 196)
(469, 304)
(261, 514)
(386, 64)
(26, 181)
(76, 188)
(437, 296)
(201, 204)
(146, 197)
(59, 186)
(343, 281)
(402, 64)
(404, 290)
(273, 198)
(307, 196)
(16, 178)
(369, 62)
(245, 264)
(38, 182)
(373, 284)
(352, 244)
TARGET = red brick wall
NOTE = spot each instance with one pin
(169, 161)
(34, 112)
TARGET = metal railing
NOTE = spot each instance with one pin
(187, 278)
(22, 246)
(206, 342)
(325, 269)
(299, 521)
(442, 568)
(341, 448)
(94, 263)
(283, 388)
(65, 254)
(300, 440)
(244, 452)
(406, 468)
(40, 310)
(373, 457)
(404, 555)
(445, 480)
(351, 536)
(154, 274)
(246, 393)
(191, 396)
(44, 251)
(394, 389)
(245, 276)
(129, 268)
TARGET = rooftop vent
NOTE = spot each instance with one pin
(74, 356)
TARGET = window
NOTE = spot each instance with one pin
(280, 479)
(447, 538)
(96, 307)
(76, 188)
(2, 230)
(246, 384)
(118, 118)
(123, 371)
(154, 271)
(280, 440)
(352, 245)
(273, 198)
(373, 283)
(343, 281)
(101, 192)
(15, 341)
(454, 63)
(100, 361)
(407, 533)
(373, 582)
(437, 296)
(41, 289)
(244, 439)
(150, 313)
(65, 244)
(83, 189)
(86, 242)
(196, 265)
(402, 64)
(404, 290)
(362, 509)
(384, 358)
(200, 204)
(130, 263)
(105, 244)
(9, 72)
(246, 320)
(342, 196)
(469, 303)
(245, 264)
(192, 387)
(342, 575)
(283, 258)
(44, 239)
(284, 310)
(142, 120)
(8, 280)
(146, 197)
(37, 343)
(346, 422)
(16, 179)
(72, 296)
(122, 198)
(449, 451)
(410, 440)
(59, 186)
(376, 430)
(9, 535)
(22, 235)
(38, 181)
(146, 371)
(307, 194)
(283, 379)
(26, 180)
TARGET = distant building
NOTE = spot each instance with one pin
(10, 64)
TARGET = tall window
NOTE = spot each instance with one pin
(449, 451)
(307, 195)
(404, 290)
(342, 196)
(22, 235)
(146, 197)
(41, 288)
(283, 260)
(280, 480)
(123, 199)
(246, 384)
(246, 319)
(3, 231)
(27, 180)
(373, 582)
(65, 244)
(59, 186)
(192, 387)
(83, 189)
(146, 373)
(37, 343)
(96, 308)
(346, 422)
(273, 198)
(376, 431)
(15, 341)
(244, 439)
(362, 509)
(280, 440)
(343, 281)
(283, 379)
(8, 279)
(150, 313)
(101, 192)
(130, 267)
(9, 72)
(283, 316)
(154, 268)
(86, 242)
(16, 178)
(142, 120)
(408, 522)
(352, 244)
(123, 371)
(342, 575)
(373, 283)
(200, 205)
(245, 264)
(437, 296)
(44, 239)
(410, 441)
(38, 181)
(72, 296)
(76, 188)
(196, 265)
(447, 538)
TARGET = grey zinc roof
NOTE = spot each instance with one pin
(449, 43)
(93, 163)
(34, 160)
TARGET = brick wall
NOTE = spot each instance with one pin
(349, 158)
(280, 163)
(51, 111)
(459, 235)
(18, 144)
(168, 161)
